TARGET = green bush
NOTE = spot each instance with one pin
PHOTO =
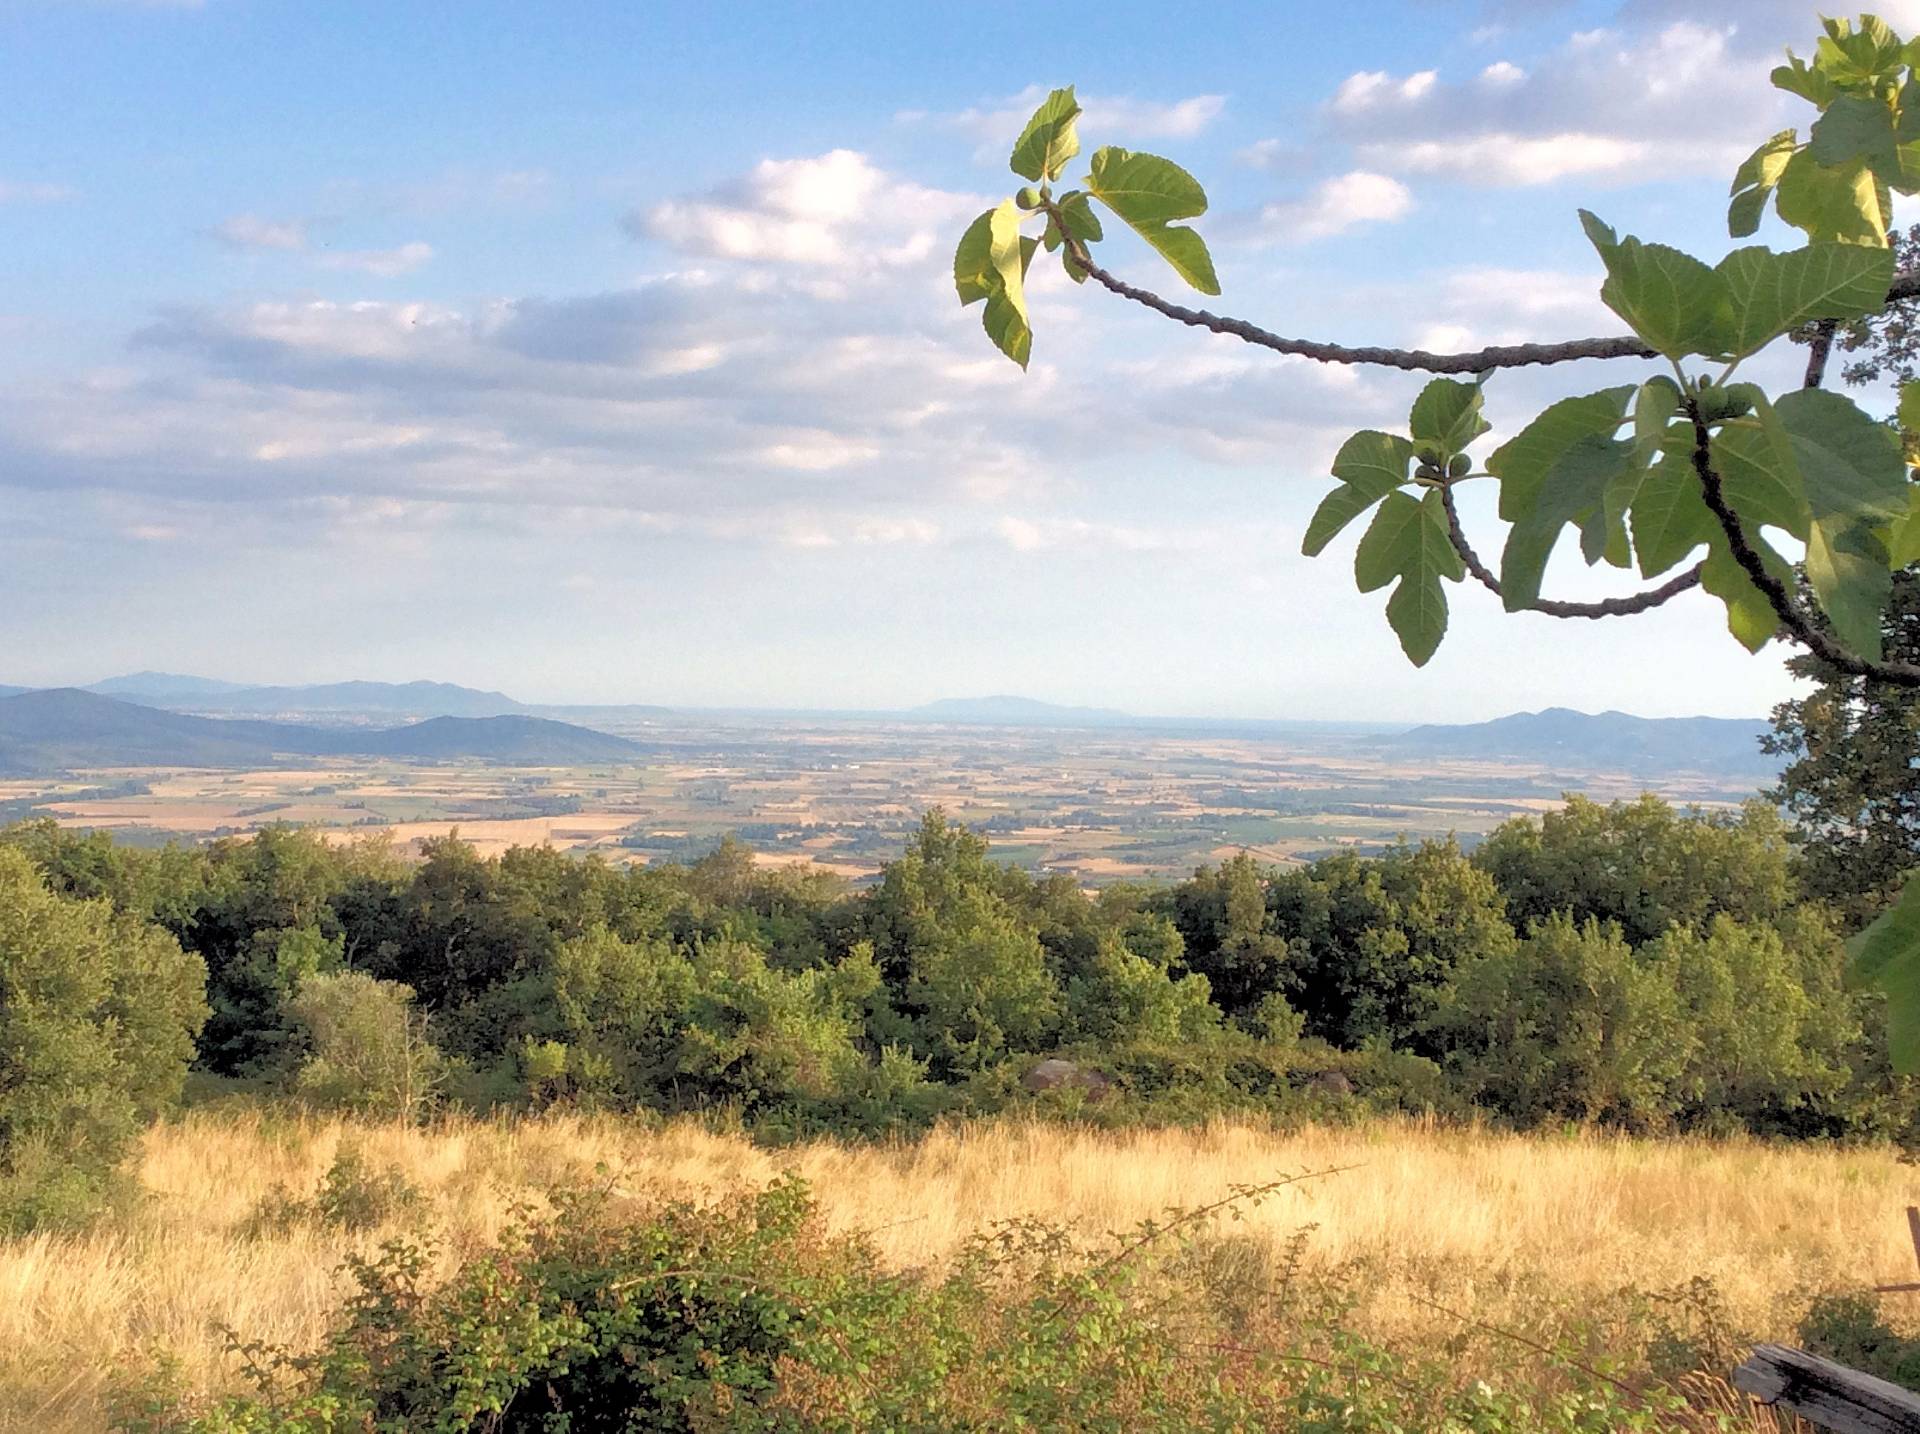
(366, 1048)
(1848, 1327)
(98, 1013)
(353, 1196)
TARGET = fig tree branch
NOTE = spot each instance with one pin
(1605, 607)
(1795, 621)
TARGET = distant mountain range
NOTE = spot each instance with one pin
(1606, 741)
(67, 727)
(1004, 711)
(448, 720)
(399, 699)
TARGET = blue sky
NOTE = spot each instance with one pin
(609, 352)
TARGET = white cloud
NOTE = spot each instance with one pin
(1511, 159)
(1336, 205)
(831, 210)
(1146, 119)
(1376, 89)
(1104, 118)
(1685, 97)
(32, 192)
(1276, 154)
(252, 232)
(382, 263)
(1029, 535)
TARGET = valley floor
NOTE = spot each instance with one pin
(1420, 1225)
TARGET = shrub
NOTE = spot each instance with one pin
(745, 1314)
(352, 1196)
(366, 1047)
(1849, 1327)
(98, 1012)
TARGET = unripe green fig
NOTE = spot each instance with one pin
(1028, 198)
(1718, 404)
(1458, 468)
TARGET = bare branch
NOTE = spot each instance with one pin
(1905, 286)
(1796, 622)
(1552, 607)
(1818, 347)
(1417, 360)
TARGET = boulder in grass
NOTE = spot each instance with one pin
(1057, 1074)
(1330, 1083)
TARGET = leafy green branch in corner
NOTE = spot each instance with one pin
(1686, 460)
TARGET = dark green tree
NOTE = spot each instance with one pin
(1852, 783)
(98, 1014)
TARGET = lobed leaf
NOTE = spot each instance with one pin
(1370, 465)
(1573, 488)
(1886, 956)
(1856, 127)
(1148, 193)
(1847, 565)
(1771, 294)
(1671, 300)
(1668, 516)
(1754, 181)
(1846, 204)
(1076, 213)
(1049, 140)
(990, 263)
(1446, 417)
(1524, 462)
(1750, 617)
(1409, 540)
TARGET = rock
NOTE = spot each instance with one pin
(1330, 1083)
(1055, 1073)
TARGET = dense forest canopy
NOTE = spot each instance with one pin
(1631, 964)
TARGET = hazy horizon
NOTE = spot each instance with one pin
(541, 699)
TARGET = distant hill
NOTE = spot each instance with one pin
(397, 699)
(1610, 741)
(163, 684)
(66, 727)
(496, 739)
(1015, 712)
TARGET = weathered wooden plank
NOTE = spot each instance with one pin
(1827, 1394)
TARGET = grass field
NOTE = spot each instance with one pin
(1527, 1233)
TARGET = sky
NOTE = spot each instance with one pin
(609, 352)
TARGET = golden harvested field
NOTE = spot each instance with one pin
(1097, 805)
(1521, 1231)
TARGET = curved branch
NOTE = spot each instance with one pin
(1417, 360)
(1905, 286)
(1818, 347)
(1796, 622)
(1605, 607)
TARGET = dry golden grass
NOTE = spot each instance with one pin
(1497, 1226)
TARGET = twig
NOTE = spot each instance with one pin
(1554, 607)
(1905, 286)
(1818, 347)
(1193, 1217)
(1796, 622)
(1548, 1350)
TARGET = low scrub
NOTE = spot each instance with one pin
(600, 1313)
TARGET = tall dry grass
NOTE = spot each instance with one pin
(1504, 1228)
